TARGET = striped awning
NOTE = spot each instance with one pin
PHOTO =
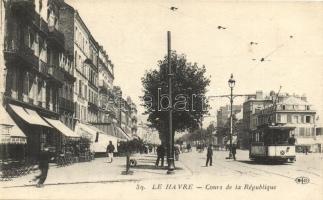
(29, 116)
(62, 128)
(10, 133)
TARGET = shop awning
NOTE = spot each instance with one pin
(62, 128)
(103, 140)
(87, 130)
(10, 133)
(84, 131)
(30, 116)
(121, 134)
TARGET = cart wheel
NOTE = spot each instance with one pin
(133, 163)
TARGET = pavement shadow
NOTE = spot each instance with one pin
(263, 162)
(152, 167)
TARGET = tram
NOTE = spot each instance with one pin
(272, 143)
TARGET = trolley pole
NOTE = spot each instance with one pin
(170, 149)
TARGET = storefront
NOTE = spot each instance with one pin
(12, 139)
(308, 145)
(98, 139)
(38, 132)
(69, 141)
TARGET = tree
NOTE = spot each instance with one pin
(189, 88)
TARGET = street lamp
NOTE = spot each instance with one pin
(231, 83)
(170, 149)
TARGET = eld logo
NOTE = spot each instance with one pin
(302, 180)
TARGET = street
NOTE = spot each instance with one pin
(226, 178)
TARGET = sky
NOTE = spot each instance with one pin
(289, 36)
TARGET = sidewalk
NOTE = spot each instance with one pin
(99, 171)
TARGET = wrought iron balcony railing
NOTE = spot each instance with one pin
(55, 73)
(23, 55)
(55, 36)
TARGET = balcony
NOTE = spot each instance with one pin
(22, 8)
(43, 67)
(21, 56)
(43, 26)
(65, 104)
(103, 84)
(55, 37)
(55, 74)
(89, 61)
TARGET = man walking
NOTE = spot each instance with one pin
(234, 151)
(209, 155)
(44, 158)
(110, 150)
(160, 155)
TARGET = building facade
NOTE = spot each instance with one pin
(54, 76)
(293, 111)
(38, 70)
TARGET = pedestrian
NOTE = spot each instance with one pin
(43, 159)
(292, 140)
(177, 152)
(209, 155)
(110, 150)
(234, 151)
(160, 155)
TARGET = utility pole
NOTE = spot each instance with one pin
(170, 149)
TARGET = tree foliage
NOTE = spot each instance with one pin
(189, 89)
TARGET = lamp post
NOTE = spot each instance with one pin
(231, 83)
(170, 149)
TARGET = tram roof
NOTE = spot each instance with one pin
(278, 126)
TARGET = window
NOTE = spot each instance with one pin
(295, 119)
(75, 59)
(301, 131)
(307, 107)
(85, 91)
(40, 5)
(278, 118)
(80, 87)
(296, 131)
(289, 118)
(308, 131)
(283, 107)
(302, 118)
(283, 118)
(307, 119)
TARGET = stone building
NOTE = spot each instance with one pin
(294, 111)
(38, 70)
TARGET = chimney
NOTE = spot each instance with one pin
(303, 98)
(259, 94)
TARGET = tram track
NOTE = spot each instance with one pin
(266, 171)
